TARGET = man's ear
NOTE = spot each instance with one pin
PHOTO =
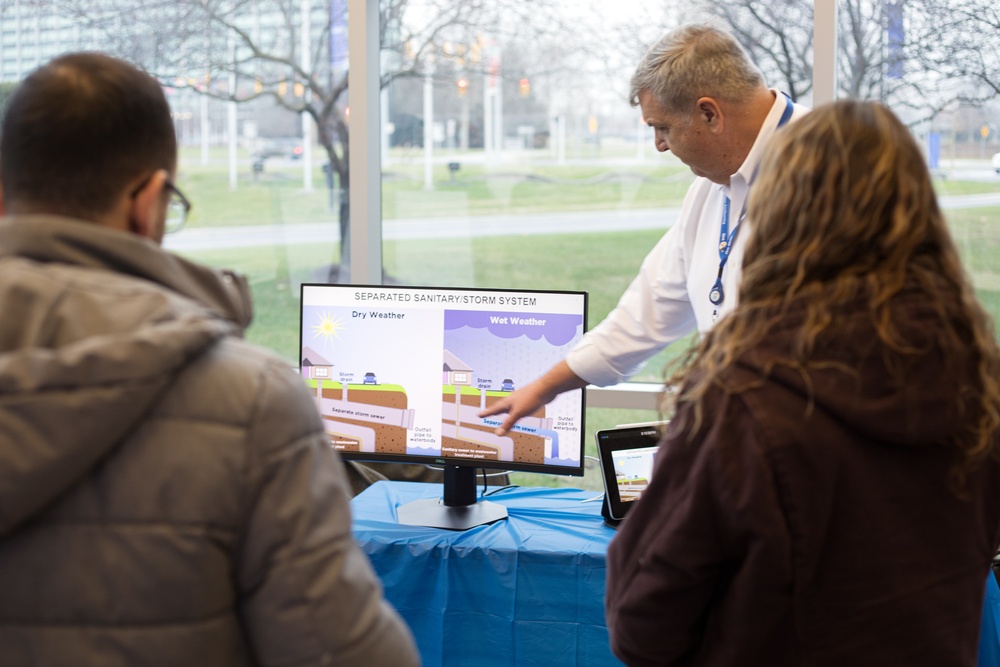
(146, 206)
(710, 113)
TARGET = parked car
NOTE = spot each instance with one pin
(283, 147)
(507, 385)
(370, 378)
(996, 162)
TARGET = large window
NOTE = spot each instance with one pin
(936, 64)
(491, 144)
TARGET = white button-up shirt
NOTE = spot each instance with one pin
(669, 297)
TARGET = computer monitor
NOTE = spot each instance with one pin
(400, 374)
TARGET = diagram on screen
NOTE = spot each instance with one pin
(633, 470)
(464, 433)
(486, 355)
(358, 417)
(413, 381)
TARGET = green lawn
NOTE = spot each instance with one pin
(600, 263)
(277, 195)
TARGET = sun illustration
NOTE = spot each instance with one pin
(328, 328)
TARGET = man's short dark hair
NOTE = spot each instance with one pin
(78, 131)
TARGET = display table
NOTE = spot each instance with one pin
(528, 590)
(989, 636)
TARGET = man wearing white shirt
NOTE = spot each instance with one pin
(708, 104)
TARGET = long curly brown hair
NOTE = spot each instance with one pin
(843, 206)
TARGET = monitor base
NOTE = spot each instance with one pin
(433, 513)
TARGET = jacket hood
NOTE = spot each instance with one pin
(45, 238)
(96, 325)
(880, 394)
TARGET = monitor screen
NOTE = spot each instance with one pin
(402, 373)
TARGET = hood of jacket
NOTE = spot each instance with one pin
(862, 383)
(96, 325)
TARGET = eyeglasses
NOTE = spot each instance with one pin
(177, 209)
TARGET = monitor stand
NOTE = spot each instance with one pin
(457, 509)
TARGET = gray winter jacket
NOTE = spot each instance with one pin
(167, 496)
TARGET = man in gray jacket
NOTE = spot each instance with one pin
(167, 494)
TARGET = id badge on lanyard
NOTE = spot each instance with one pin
(717, 295)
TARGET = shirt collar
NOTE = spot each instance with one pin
(739, 182)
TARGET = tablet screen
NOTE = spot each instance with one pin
(633, 470)
(627, 458)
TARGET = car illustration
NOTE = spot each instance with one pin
(507, 385)
(370, 378)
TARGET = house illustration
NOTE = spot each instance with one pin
(455, 370)
(315, 366)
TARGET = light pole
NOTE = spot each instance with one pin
(231, 114)
(429, 124)
(307, 126)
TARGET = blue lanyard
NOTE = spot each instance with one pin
(727, 239)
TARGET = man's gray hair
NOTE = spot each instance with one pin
(692, 61)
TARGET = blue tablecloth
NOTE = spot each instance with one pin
(989, 636)
(525, 591)
(528, 590)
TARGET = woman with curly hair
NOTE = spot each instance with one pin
(828, 490)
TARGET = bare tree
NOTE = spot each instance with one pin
(245, 50)
(920, 55)
(961, 40)
(777, 34)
